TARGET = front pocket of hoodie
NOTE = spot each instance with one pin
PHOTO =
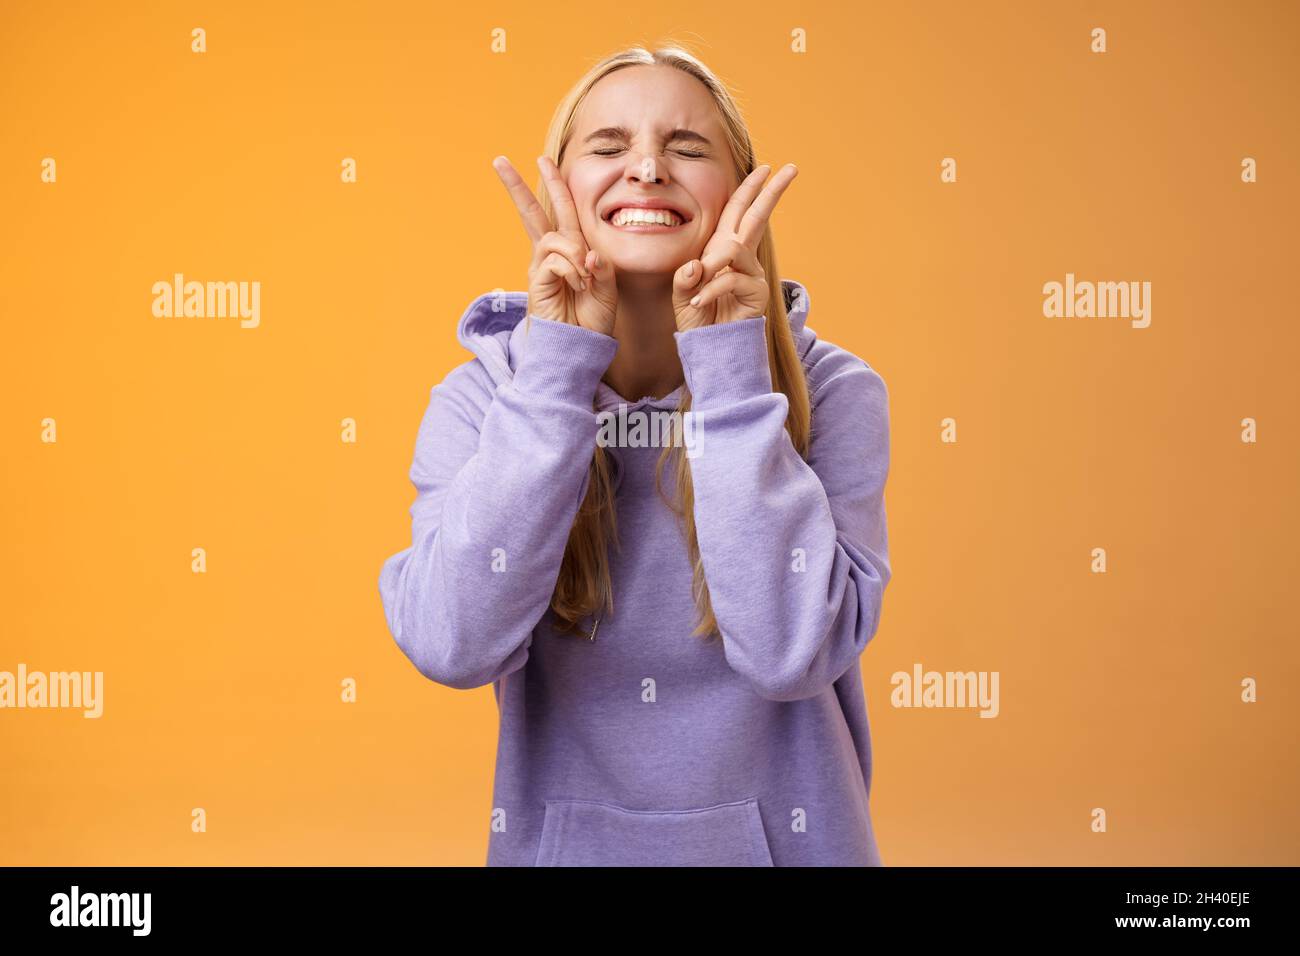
(591, 833)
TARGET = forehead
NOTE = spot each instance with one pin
(643, 97)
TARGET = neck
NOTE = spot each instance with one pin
(646, 363)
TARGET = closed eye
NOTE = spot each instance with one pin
(618, 149)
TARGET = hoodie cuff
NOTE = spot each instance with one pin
(563, 361)
(725, 363)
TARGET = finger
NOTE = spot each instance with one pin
(686, 280)
(530, 210)
(723, 254)
(741, 264)
(745, 261)
(733, 282)
(754, 222)
(571, 249)
(566, 213)
(599, 269)
(559, 265)
(729, 221)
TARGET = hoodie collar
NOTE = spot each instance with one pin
(492, 328)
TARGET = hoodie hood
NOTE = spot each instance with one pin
(492, 328)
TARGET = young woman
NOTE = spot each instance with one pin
(673, 634)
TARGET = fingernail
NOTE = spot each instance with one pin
(690, 269)
(582, 284)
(695, 301)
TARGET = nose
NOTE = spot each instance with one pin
(642, 167)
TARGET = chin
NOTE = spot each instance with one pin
(648, 262)
(661, 270)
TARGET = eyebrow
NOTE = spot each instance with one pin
(623, 133)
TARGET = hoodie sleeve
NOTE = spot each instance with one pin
(497, 493)
(795, 553)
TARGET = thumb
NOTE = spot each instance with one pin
(599, 303)
(686, 282)
(602, 281)
(602, 272)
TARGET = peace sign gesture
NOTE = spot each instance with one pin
(727, 282)
(567, 281)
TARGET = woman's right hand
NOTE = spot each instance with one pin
(567, 280)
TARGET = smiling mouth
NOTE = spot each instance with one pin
(633, 219)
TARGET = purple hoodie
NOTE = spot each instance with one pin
(645, 745)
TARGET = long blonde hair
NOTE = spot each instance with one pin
(584, 580)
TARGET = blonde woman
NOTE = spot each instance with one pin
(650, 510)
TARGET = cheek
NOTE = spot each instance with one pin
(711, 196)
(586, 217)
(586, 191)
(707, 224)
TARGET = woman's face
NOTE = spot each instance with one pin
(648, 134)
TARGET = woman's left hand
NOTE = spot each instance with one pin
(727, 283)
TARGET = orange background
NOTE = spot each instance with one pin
(222, 690)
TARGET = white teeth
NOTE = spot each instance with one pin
(663, 217)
